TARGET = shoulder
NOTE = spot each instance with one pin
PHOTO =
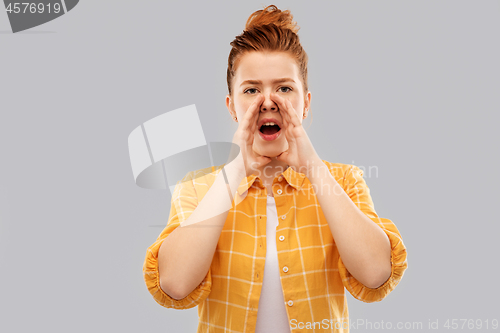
(203, 172)
(196, 183)
(345, 174)
(201, 177)
(340, 170)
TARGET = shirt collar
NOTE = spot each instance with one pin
(295, 179)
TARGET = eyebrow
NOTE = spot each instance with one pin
(285, 79)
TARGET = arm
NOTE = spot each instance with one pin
(185, 256)
(363, 246)
(371, 247)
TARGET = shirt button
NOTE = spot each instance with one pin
(279, 191)
(285, 269)
(283, 217)
(282, 238)
(290, 303)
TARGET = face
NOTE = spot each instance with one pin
(265, 73)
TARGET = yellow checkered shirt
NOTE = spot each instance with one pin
(315, 278)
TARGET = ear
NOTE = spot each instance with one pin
(230, 106)
(307, 103)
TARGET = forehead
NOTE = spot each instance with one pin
(264, 66)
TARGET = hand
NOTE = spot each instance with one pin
(300, 155)
(244, 136)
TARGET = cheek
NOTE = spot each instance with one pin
(242, 106)
(299, 107)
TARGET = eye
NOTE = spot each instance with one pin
(289, 89)
(250, 89)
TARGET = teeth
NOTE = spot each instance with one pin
(269, 124)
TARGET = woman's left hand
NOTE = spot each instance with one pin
(300, 155)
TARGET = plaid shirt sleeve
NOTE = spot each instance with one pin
(355, 186)
(184, 202)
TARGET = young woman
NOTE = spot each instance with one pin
(268, 241)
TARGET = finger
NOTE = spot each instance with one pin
(283, 157)
(293, 113)
(263, 160)
(255, 112)
(250, 118)
(283, 107)
(287, 128)
(279, 100)
(288, 110)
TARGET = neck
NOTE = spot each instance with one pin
(272, 170)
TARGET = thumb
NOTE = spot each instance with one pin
(283, 157)
(263, 160)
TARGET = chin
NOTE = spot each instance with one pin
(270, 149)
(269, 153)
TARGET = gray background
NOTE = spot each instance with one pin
(408, 87)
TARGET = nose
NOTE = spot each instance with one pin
(268, 104)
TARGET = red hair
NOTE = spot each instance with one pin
(269, 29)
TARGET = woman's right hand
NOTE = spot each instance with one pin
(248, 161)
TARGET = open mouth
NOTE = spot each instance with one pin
(269, 131)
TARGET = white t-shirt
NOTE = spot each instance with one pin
(271, 314)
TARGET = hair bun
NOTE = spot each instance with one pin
(272, 15)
